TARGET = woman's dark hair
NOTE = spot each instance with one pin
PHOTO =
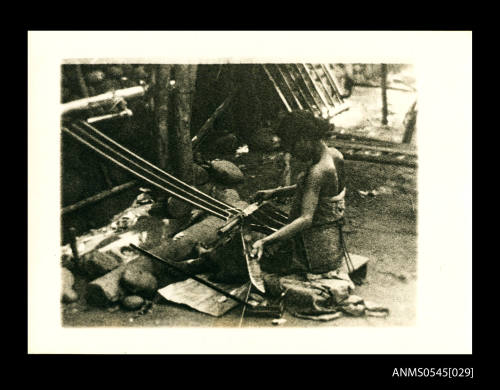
(297, 125)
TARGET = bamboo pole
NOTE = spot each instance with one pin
(282, 97)
(327, 93)
(96, 198)
(371, 85)
(102, 99)
(364, 140)
(380, 160)
(339, 109)
(382, 149)
(318, 104)
(332, 79)
(122, 114)
(207, 126)
(297, 83)
(289, 87)
(173, 265)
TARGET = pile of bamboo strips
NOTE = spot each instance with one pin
(307, 87)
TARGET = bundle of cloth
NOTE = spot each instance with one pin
(321, 297)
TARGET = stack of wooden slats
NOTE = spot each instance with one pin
(312, 87)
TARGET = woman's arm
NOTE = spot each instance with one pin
(285, 191)
(310, 197)
(279, 191)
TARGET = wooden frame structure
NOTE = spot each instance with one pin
(307, 86)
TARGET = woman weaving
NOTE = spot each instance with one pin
(311, 241)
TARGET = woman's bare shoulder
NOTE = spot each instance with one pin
(335, 153)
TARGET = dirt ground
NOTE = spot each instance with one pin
(364, 115)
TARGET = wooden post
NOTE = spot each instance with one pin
(162, 78)
(153, 81)
(383, 84)
(73, 245)
(410, 124)
(181, 150)
(185, 76)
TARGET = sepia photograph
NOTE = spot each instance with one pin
(237, 194)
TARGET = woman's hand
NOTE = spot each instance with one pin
(264, 195)
(257, 249)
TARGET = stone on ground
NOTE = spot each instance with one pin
(95, 264)
(139, 282)
(225, 172)
(132, 302)
(68, 295)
